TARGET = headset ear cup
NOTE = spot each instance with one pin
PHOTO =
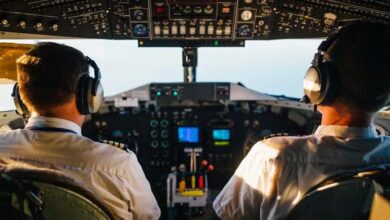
(90, 91)
(96, 95)
(96, 99)
(21, 108)
(83, 89)
(322, 84)
(312, 85)
(89, 100)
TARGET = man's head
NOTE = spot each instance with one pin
(360, 53)
(49, 75)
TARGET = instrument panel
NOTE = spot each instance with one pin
(202, 20)
(160, 134)
(172, 117)
(224, 133)
(160, 122)
(221, 121)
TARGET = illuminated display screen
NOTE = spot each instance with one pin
(188, 134)
(221, 134)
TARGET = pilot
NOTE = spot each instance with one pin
(349, 81)
(55, 89)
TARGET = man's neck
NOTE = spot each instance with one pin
(77, 121)
(67, 111)
(335, 115)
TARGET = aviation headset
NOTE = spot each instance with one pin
(89, 95)
(321, 83)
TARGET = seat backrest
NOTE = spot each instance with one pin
(25, 197)
(380, 209)
(344, 196)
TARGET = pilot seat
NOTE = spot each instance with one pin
(32, 195)
(358, 194)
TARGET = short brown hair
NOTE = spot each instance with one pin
(361, 54)
(48, 75)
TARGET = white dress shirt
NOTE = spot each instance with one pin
(278, 171)
(113, 175)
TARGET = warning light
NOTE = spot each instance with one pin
(216, 43)
(175, 93)
(159, 10)
(226, 10)
(158, 93)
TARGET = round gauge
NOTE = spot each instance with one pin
(119, 9)
(187, 9)
(140, 29)
(165, 144)
(164, 123)
(246, 15)
(198, 10)
(154, 134)
(177, 9)
(164, 134)
(153, 123)
(154, 144)
(248, 1)
(244, 30)
(138, 14)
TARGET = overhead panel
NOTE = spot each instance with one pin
(190, 20)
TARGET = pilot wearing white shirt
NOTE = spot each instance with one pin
(349, 81)
(55, 89)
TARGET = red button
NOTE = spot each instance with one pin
(159, 10)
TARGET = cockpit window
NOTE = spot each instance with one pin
(6, 102)
(274, 67)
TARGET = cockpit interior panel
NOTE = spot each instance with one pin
(178, 126)
(233, 20)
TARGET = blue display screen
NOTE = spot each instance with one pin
(188, 134)
(221, 134)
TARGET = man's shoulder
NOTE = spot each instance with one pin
(8, 132)
(284, 142)
(283, 146)
(10, 135)
(99, 156)
(67, 145)
(110, 152)
(380, 154)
